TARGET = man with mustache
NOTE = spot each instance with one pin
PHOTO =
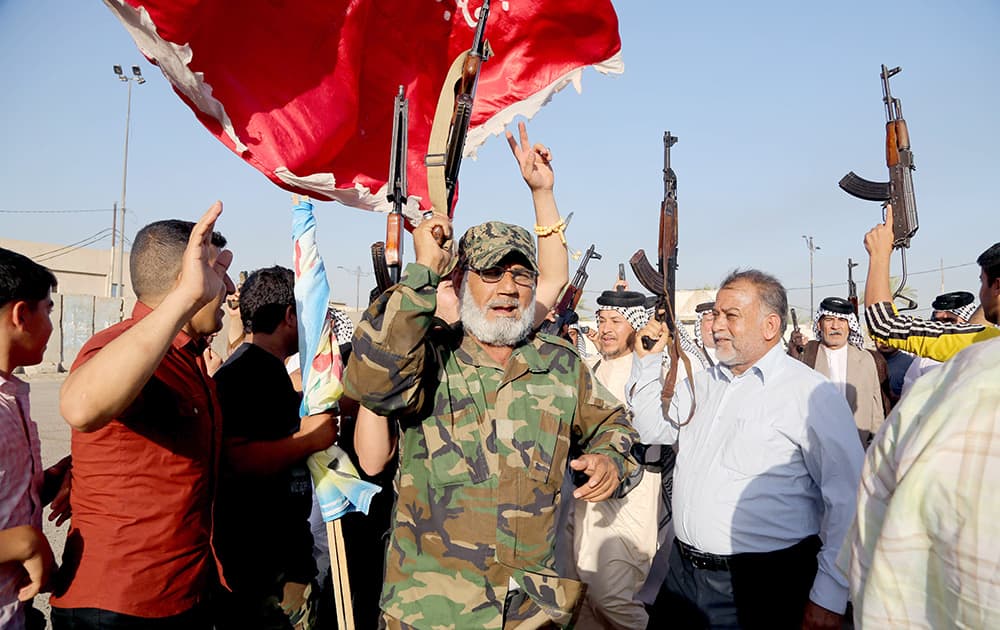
(767, 470)
(838, 353)
(487, 414)
(612, 545)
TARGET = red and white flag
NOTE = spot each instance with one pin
(303, 90)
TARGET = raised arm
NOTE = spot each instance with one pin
(89, 398)
(878, 242)
(535, 162)
(386, 368)
(644, 389)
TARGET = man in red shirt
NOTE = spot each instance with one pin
(146, 443)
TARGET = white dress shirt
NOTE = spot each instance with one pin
(770, 457)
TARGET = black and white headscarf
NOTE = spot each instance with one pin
(343, 327)
(854, 337)
(965, 312)
(581, 340)
(636, 315)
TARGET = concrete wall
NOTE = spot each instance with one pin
(76, 318)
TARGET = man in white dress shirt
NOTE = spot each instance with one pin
(766, 475)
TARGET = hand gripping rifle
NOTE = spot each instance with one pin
(570, 297)
(387, 256)
(661, 281)
(465, 96)
(898, 191)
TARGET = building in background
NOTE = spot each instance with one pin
(79, 270)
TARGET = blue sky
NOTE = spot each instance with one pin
(773, 102)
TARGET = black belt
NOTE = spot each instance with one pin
(701, 559)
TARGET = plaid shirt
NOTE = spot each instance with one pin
(20, 485)
(922, 552)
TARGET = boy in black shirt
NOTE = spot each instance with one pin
(262, 511)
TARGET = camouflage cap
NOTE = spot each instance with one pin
(485, 245)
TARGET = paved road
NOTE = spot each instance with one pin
(54, 434)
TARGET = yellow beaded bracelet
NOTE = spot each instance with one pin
(556, 228)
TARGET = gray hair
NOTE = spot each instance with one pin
(769, 289)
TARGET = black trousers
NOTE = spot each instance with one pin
(757, 590)
(97, 619)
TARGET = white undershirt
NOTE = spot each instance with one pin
(837, 362)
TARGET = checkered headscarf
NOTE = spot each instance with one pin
(581, 340)
(636, 315)
(965, 312)
(343, 327)
(698, 341)
(854, 337)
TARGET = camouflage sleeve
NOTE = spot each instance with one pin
(390, 349)
(603, 423)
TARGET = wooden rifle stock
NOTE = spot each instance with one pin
(571, 296)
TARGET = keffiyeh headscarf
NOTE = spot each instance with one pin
(965, 312)
(636, 315)
(854, 337)
(959, 303)
(698, 341)
(581, 340)
(343, 327)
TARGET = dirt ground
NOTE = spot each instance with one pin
(54, 434)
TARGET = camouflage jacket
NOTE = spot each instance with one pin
(483, 452)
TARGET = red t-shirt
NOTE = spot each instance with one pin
(140, 540)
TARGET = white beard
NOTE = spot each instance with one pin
(503, 331)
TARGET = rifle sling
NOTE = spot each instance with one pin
(438, 142)
(677, 354)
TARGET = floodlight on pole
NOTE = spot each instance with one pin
(118, 289)
(812, 250)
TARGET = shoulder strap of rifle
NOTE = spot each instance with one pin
(677, 355)
(438, 143)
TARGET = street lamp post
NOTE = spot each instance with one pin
(357, 273)
(812, 250)
(119, 289)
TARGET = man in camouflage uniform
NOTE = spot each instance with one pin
(488, 413)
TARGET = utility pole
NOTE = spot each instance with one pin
(136, 78)
(114, 232)
(357, 273)
(812, 250)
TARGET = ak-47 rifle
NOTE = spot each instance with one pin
(465, 96)
(898, 191)
(661, 281)
(387, 255)
(852, 286)
(570, 297)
